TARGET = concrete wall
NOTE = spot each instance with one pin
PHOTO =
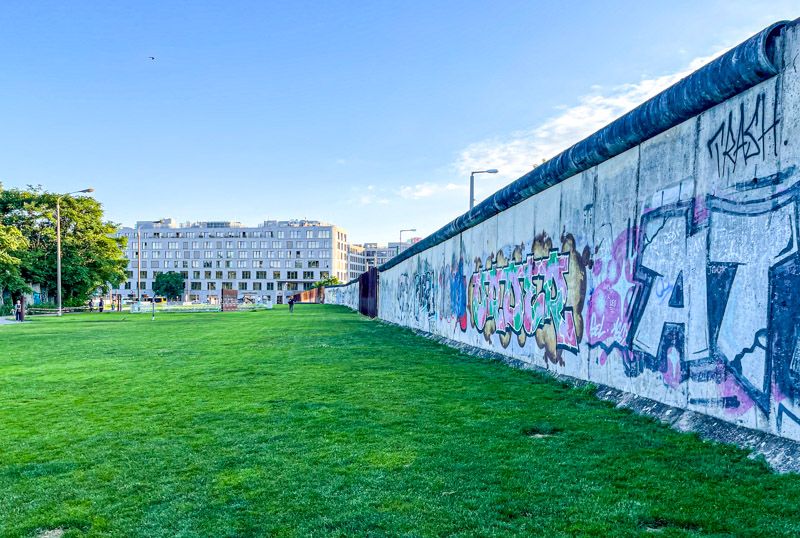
(346, 295)
(671, 271)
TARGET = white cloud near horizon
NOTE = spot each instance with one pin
(428, 189)
(516, 154)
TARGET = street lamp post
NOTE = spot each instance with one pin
(401, 237)
(472, 184)
(58, 241)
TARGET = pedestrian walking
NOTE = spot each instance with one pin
(18, 310)
(91, 305)
(291, 304)
(100, 305)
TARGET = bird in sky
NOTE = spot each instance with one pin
(152, 57)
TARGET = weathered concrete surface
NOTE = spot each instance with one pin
(670, 271)
(346, 295)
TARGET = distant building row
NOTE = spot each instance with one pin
(263, 263)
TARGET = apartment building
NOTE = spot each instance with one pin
(356, 263)
(266, 262)
(376, 255)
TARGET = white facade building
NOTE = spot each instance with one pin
(376, 255)
(267, 262)
(356, 263)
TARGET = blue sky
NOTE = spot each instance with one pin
(365, 114)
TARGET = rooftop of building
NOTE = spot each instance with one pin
(169, 223)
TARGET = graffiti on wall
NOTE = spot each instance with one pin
(612, 297)
(746, 133)
(731, 318)
(537, 295)
(429, 295)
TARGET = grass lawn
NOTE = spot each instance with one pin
(327, 424)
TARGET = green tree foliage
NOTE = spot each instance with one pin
(90, 257)
(12, 246)
(328, 281)
(169, 284)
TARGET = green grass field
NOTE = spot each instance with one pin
(327, 424)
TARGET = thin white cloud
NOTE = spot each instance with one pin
(517, 153)
(426, 190)
(367, 196)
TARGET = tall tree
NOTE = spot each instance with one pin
(91, 257)
(169, 285)
(331, 280)
(12, 245)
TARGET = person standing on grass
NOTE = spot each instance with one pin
(18, 310)
(91, 305)
(100, 305)
(291, 304)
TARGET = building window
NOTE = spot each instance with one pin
(261, 275)
(242, 286)
(270, 286)
(211, 286)
(231, 275)
(291, 275)
(245, 275)
(308, 275)
(195, 286)
(276, 275)
(227, 285)
(256, 286)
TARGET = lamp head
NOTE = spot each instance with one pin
(90, 189)
(491, 171)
